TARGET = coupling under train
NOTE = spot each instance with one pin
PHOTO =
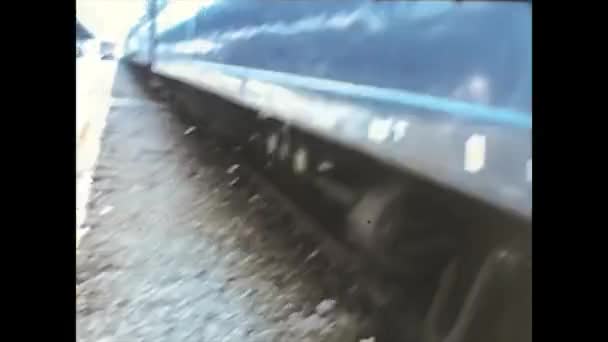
(412, 118)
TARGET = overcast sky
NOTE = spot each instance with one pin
(110, 19)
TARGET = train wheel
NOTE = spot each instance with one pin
(495, 306)
(401, 230)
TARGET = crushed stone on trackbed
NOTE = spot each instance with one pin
(177, 250)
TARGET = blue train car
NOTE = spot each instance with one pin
(441, 90)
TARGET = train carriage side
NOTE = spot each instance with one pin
(414, 117)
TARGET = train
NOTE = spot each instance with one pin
(411, 119)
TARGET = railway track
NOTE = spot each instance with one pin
(411, 237)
